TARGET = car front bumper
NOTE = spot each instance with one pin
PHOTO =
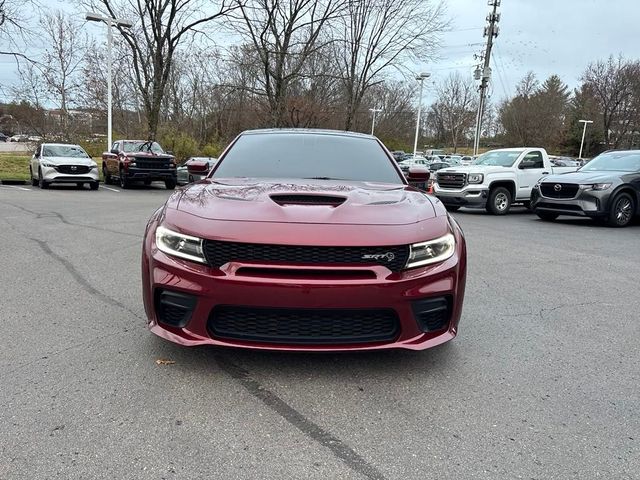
(51, 175)
(209, 289)
(471, 196)
(134, 173)
(586, 203)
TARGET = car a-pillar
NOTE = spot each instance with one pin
(501, 195)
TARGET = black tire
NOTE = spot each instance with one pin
(34, 181)
(79, 184)
(124, 181)
(147, 183)
(42, 183)
(622, 211)
(499, 201)
(94, 185)
(527, 205)
(105, 175)
(170, 184)
(452, 208)
(547, 216)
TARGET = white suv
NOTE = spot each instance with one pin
(63, 163)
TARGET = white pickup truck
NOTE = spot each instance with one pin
(496, 180)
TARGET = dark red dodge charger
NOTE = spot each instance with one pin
(304, 240)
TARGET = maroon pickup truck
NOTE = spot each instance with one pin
(138, 161)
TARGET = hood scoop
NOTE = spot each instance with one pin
(307, 199)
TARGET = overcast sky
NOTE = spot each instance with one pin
(544, 36)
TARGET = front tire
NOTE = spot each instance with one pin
(623, 208)
(105, 174)
(170, 184)
(452, 208)
(94, 185)
(34, 181)
(42, 183)
(499, 201)
(124, 181)
(546, 216)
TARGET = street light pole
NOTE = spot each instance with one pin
(584, 131)
(420, 78)
(110, 22)
(373, 121)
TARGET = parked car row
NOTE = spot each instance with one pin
(606, 189)
(127, 162)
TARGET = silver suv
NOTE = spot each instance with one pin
(63, 163)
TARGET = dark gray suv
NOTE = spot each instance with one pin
(607, 188)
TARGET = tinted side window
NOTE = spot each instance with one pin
(308, 155)
(532, 160)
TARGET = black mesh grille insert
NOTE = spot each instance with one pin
(218, 253)
(303, 326)
(432, 313)
(151, 164)
(73, 169)
(559, 190)
(174, 308)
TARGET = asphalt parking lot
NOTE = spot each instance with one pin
(541, 383)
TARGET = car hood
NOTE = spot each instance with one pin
(68, 161)
(144, 154)
(295, 201)
(583, 177)
(486, 169)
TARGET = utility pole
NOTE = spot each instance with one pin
(584, 131)
(490, 31)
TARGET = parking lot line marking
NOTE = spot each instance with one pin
(109, 188)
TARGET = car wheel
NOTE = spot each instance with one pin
(42, 183)
(499, 201)
(170, 184)
(94, 185)
(147, 183)
(546, 216)
(124, 181)
(79, 184)
(452, 208)
(34, 181)
(105, 174)
(622, 210)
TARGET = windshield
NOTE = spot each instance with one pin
(74, 151)
(499, 158)
(614, 162)
(140, 146)
(308, 155)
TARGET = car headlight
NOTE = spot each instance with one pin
(180, 245)
(598, 186)
(47, 164)
(433, 251)
(475, 178)
(93, 167)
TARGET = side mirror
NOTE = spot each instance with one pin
(418, 177)
(114, 151)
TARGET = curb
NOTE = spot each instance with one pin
(13, 182)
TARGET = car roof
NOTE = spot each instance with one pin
(61, 145)
(314, 131)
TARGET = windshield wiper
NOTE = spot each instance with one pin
(323, 178)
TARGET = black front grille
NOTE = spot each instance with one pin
(151, 164)
(559, 206)
(218, 253)
(559, 190)
(73, 169)
(451, 180)
(303, 326)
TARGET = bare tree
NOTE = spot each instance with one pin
(62, 62)
(377, 35)
(456, 107)
(162, 27)
(284, 35)
(615, 83)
